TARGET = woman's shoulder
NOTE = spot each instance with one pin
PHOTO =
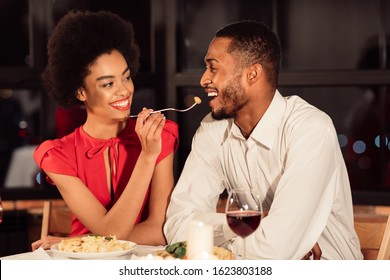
(170, 136)
(56, 148)
(65, 142)
(171, 127)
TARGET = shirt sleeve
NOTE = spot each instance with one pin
(196, 194)
(170, 139)
(53, 156)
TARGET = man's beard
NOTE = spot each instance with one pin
(232, 95)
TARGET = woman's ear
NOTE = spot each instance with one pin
(80, 94)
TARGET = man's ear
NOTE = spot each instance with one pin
(80, 94)
(254, 72)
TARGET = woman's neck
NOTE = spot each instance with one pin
(104, 130)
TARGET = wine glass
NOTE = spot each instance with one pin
(243, 212)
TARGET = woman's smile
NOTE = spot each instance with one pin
(121, 105)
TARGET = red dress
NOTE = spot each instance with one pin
(81, 155)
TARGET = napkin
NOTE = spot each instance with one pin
(40, 254)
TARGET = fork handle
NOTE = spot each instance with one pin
(161, 110)
(167, 109)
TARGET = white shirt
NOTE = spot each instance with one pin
(294, 159)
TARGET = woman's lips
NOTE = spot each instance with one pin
(121, 105)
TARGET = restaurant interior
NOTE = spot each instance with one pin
(336, 55)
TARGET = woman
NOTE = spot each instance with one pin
(115, 173)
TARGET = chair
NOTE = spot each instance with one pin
(374, 236)
(56, 220)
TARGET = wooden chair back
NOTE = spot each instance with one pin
(374, 236)
(56, 220)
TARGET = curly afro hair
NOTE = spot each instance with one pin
(77, 41)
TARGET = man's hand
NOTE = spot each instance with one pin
(315, 252)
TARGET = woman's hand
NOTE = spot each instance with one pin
(148, 128)
(46, 242)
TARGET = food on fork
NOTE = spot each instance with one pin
(197, 100)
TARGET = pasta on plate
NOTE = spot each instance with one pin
(94, 244)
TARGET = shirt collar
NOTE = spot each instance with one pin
(267, 128)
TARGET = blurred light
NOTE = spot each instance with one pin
(5, 93)
(189, 100)
(27, 60)
(23, 124)
(38, 178)
(359, 147)
(378, 141)
(343, 140)
(187, 43)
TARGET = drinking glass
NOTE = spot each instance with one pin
(243, 212)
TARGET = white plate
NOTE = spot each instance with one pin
(93, 256)
(144, 250)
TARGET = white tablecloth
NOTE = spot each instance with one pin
(40, 254)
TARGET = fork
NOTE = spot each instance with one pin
(197, 101)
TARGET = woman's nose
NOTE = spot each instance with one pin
(126, 88)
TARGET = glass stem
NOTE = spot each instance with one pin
(244, 249)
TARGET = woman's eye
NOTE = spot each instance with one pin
(108, 85)
(128, 78)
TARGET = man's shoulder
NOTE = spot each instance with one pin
(214, 126)
(211, 131)
(299, 110)
(209, 136)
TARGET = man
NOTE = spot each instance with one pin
(256, 138)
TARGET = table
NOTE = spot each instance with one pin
(40, 254)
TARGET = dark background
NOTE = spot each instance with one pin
(335, 55)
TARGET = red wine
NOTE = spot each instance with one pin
(243, 223)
